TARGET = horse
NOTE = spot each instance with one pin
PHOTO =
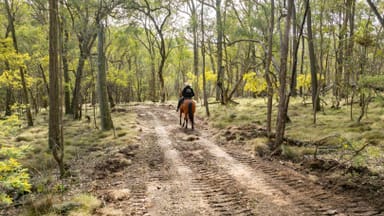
(188, 108)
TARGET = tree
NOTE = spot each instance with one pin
(376, 12)
(267, 68)
(194, 22)
(159, 22)
(203, 61)
(220, 68)
(313, 63)
(55, 136)
(283, 97)
(105, 114)
(85, 26)
(11, 26)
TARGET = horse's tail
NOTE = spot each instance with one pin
(190, 112)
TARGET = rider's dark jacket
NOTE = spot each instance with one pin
(187, 92)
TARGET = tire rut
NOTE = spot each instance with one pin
(312, 197)
(234, 183)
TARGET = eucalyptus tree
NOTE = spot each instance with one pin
(10, 10)
(159, 15)
(205, 95)
(85, 16)
(220, 68)
(283, 97)
(55, 133)
(105, 114)
(192, 6)
(268, 73)
(313, 62)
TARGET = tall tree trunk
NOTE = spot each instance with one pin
(267, 69)
(76, 106)
(64, 57)
(105, 114)
(295, 45)
(55, 137)
(340, 57)
(321, 57)
(203, 60)
(44, 78)
(350, 42)
(220, 68)
(85, 45)
(194, 17)
(312, 59)
(284, 98)
(295, 50)
(21, 70)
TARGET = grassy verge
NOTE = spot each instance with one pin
(344, 135)
(82, 141)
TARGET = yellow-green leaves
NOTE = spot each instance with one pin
(254, 83)
(13, 178)
(10, 63)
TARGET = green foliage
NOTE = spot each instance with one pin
(254, 83)
(13, 178)
(364, 35)
(304, 81)
(210, 78)
(372, 82)
(11, 62)
(118, 77)
(9, 126)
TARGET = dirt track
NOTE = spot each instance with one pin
(174, 171)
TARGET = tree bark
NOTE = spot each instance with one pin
(194, 18)
(220, 68)
(284, 98)
(313, 63)
(64, 57)
(203, 60)
(55, 138)
(267, 69)
(105, 114)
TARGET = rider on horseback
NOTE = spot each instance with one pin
(187, 93)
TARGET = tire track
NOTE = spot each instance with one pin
(224, 192)
(306, 194)
(175, 195)
(233, 183)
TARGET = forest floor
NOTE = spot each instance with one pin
(169, 170)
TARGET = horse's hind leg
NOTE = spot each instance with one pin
(193, 123)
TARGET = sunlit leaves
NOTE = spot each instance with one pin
(10, 64)
(254, 83)
(364, 33)
(210, 78)
(14, 178)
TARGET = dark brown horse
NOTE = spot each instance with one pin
(188, 108)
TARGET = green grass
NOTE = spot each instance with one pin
(330, 122)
